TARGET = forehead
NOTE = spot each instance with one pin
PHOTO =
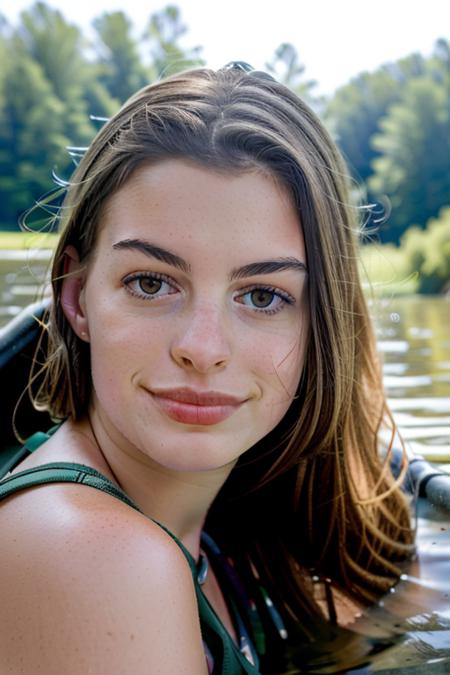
(185, 205)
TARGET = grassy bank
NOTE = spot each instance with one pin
(25, 240)
(421, 264)
(385, 271)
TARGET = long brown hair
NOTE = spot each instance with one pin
(313, 496)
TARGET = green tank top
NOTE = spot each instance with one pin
(227, 658)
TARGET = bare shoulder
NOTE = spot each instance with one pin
(92, 588)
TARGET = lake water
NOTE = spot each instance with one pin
(414, 338)
(409, 631)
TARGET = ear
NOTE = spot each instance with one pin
(73, 293)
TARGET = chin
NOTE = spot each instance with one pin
(193, 450)
(187, 463)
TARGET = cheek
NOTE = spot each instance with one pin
(276, 367)
(111, 357)
(278, 364)
(125, 351)
(107, 381)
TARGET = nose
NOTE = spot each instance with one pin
(202, 344)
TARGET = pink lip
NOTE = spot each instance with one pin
(195, 407)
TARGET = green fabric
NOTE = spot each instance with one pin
(228, 659)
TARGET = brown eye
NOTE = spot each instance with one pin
(150, 285)
(264, 299)
(261, 298)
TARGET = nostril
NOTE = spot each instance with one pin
(201, 352)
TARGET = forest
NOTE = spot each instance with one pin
(57, 85)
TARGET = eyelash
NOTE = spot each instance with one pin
(138, 276)
(285, 298)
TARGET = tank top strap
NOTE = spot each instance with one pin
(232, 661)
(62, 472)
(71, 472)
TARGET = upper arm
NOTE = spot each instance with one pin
(96, 599)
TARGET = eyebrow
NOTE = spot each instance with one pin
(252, 269)
(268, 267)
(153, 251)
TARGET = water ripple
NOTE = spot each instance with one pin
(428, 404)
(407, 381)
(393, 346)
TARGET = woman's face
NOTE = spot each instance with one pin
(194, 305)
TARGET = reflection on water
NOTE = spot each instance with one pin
(22, 275)
(409, 631)
(414, 339)
(419, 610)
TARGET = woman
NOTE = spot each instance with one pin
(210, 354)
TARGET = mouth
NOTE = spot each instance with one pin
(193, 407)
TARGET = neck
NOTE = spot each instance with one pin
(179, 500)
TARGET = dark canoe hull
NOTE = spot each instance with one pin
(18, 340)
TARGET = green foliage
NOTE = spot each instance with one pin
(413, 168)
(42, 107)
(16, 241)
(421, 264)
(44, 33)
(353, 115)
(121, 71)
(427, 252)
(286, 67)
(52, 85)
(57, 47)
(354, 112)
(438, 66)
(163, 34)
(31, 136)
(385, 271)
(393, 125)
